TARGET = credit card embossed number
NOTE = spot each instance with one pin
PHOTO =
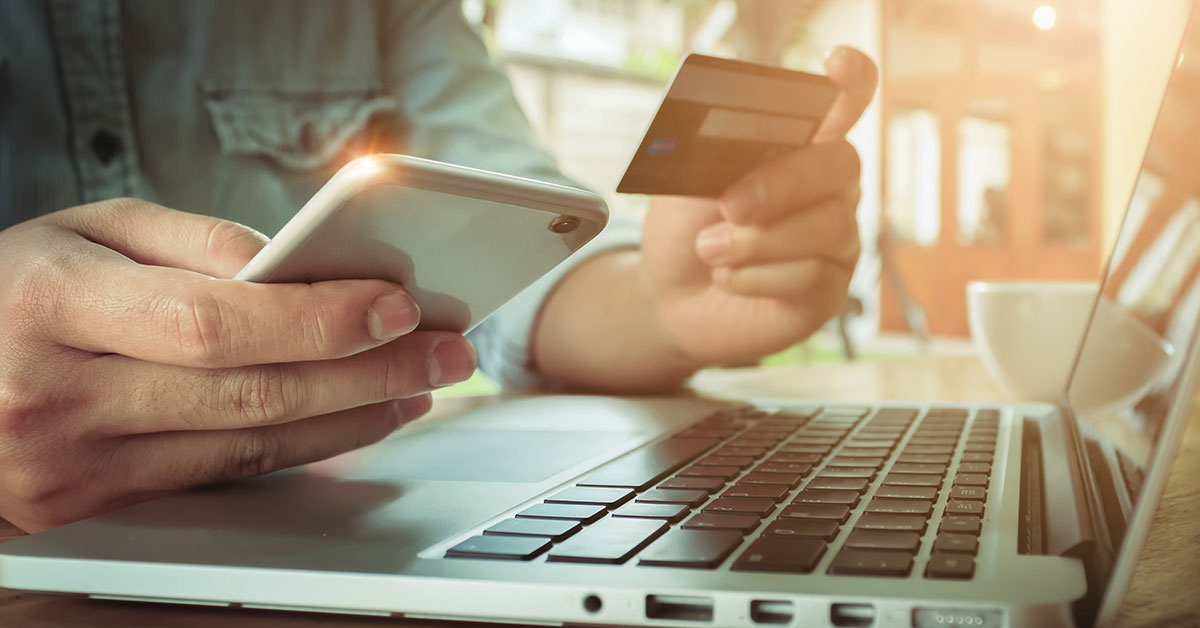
(719, 119)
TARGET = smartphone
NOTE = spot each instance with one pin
(462, 241)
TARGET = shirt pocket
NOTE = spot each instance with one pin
(296, 128)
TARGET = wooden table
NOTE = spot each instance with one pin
(1164, 591)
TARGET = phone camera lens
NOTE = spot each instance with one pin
(564, 224)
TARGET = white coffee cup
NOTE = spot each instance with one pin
(1028, 334)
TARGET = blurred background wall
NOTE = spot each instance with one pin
(1002, 143)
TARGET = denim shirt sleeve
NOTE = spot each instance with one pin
(460, 108)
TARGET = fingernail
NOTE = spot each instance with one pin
(391, 315)
(452, 361)
(714, 242)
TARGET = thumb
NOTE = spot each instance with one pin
(856, 76)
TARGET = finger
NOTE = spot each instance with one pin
(105, 304)
(801, 178)
(828, 229)
(175, 460)
(164, 398)
(159, 236)
(856, 76)
(819, 284)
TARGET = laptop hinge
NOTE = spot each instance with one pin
(1071, 528)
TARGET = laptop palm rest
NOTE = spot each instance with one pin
(375, 509)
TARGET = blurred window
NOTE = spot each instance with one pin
(914, 162)
(984, 173)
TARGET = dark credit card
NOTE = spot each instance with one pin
(720, 119)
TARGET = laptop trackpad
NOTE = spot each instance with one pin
(495, 455)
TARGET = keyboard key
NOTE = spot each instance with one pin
(781, 554)
(611, 541)
(881, 432)
(807, 439)
(732, 461)
(929, 449)
(864, 452)
(924, 458)
(668, 512)
(907, 492)
(976, 456)
(900, 506)
(950, 566)
(863, 443)
(577, 512)
(753, 442)
(848, 472)
(926, 441)
(649, 464)
(705, 471)
(721, 521)
(770, 491)
(708, 432)
(979, 446)
(899, 523)
(827, 497)
(975, 467)
(763, 477)
(960, 525)
(664, 496)
(956, 507)
(958, 414)
(805, 449)
(846, 411)
(555, 529)
(786, 458)
(838, 484)
(750, 506)
(799, 468)
(851, 461)
(591, 495)
(912, 479)
(912, 467)
(697, 549)
(819, 528)
(861, 562)
(956, 544)
(801, 510)
(884, 540)
(499, 547)
(970, 479)
(753, 452)
(704, 484)
(968, 492)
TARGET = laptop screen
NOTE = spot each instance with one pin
(1131, 367)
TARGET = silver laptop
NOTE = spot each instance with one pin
(693, 512)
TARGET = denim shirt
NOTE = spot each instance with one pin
(241, 110)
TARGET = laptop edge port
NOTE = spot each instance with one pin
(852, 615)
(679, 607)
(771, 612)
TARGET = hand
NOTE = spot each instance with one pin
(130, 365)
(771, 261)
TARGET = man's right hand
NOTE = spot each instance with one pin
(131, 365)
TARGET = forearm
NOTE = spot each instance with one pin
(600, 329)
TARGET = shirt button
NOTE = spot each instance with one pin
(105, 145)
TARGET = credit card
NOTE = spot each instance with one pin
(719, 119)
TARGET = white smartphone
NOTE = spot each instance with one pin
(462, 241)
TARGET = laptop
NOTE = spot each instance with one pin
(698, 512)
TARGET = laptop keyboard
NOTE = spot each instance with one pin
(801, 477)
